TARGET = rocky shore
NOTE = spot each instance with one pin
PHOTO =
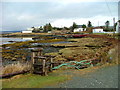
(76, 49)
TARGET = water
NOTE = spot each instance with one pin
(50, 43)
(8, 32)
(46, 49)
(5, 40)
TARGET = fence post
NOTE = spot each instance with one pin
(51, 66)
(40, 52)
(33, 59)
(43, 69)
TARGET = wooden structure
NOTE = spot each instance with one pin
(41, 64)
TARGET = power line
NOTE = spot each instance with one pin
(108, 8)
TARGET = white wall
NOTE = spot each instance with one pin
(118, 27)
(26, 31)
(98, 31)
(79, 29)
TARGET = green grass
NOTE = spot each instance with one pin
(33, 81)
(18, 44)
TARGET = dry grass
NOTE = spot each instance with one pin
(15, 68)
(113, 53)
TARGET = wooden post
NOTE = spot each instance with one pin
(40, 52)
(51, 66)
(43, 69)
(33, 55)
(32, 61)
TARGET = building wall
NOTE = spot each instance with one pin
(26, 31)
(79, 29)
(118, 28)
(98, 30)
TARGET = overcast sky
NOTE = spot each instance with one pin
(27, 13)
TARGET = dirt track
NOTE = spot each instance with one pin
(106, 77)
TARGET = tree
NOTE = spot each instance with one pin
(45, 28)
(49, 27)
(89, 24)
(83, 26)
(66, 28)
(73, 26)
(107, 28)
(33, 29)
(107, 23)
(41, 28)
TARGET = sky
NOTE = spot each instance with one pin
(19, 15)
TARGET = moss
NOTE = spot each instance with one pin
(54, 53)
(34, 81)
(27, 43)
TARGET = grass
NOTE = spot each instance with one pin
(33, 81)
(19, 44)
(15, 68)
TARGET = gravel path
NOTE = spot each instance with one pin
(106, 77)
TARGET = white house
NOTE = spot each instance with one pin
(98, 30)
(117, 27)
(29, 30)
(79, 29)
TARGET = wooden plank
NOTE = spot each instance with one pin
(38, 72)
(43, 66)
(39, 57)
(12, 74)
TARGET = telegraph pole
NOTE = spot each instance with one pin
(114, 26)
(113, 21)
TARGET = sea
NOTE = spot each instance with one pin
(7, 32)
(5, 40)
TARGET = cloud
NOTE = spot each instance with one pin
(25, 17)
(21, 15)
(97, 20)
(64, 1)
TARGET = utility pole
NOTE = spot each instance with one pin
(114, 26)
(113, 21)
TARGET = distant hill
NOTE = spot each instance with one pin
(7, 32)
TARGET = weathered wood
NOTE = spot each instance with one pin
(38, 72)
(39, 57)
(46, 61)
(43, 66)
(33, 59)
(51, 65)
(14, 73)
